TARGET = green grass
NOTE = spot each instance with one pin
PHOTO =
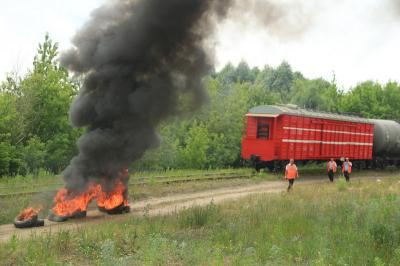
(325, 224)
(45, 182)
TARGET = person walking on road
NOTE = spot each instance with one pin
(331, 168)
(291, 173)
(346, 169)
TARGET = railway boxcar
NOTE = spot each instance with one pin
(275, 134)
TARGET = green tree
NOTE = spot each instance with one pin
(194, 152)
(391, 101)
(225, 124)
(165, 156)
(260, 92)
(244, 73)
(316, 94)
(365, 100)
(10, 122)
(5, 158)
(10, 129)
(227, 75)
(281, 80)
(34, 154)
(47, 92)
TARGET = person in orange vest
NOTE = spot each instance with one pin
(331, 168)
(291, 173)
(346, 169)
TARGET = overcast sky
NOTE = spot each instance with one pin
(355, 39)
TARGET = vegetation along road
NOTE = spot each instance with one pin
(248, 221)
(163, 205)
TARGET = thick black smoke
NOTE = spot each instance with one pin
(137, 57)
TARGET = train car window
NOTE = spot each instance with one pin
(263, 131)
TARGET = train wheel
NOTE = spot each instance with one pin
(270, 166)
(357, 165)
(278, 167)
(258, 167)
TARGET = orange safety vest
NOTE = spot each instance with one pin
(291, 171)
(350, 165)
(334, 166)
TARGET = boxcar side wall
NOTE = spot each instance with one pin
(306, 138)
(279, 138)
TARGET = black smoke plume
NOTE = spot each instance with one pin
(137, 57)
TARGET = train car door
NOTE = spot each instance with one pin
(264, 126)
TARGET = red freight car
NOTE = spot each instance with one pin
(275, 134)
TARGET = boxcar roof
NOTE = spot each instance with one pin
(276, 110)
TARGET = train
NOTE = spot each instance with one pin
(275, 134)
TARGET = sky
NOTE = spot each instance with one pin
(351, 40)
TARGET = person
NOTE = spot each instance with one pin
(291, 173)
(331, 168)
(346, 169)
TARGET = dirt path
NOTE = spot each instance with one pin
(153, 207)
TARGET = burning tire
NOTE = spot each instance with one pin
(78, 215)
(28, 218)
(30, 222)
(102, 209)
(121, 209)
(57, 218)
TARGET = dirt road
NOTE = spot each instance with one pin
(154, 207)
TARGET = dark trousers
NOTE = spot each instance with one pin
(291, 182)
(347, 176)
(330, 175)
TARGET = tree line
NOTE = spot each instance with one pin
(35, 132)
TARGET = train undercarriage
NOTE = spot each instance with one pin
(278, 166)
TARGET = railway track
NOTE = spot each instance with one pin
(139, 181)
(140, 178)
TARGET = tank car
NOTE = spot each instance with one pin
(386, 149)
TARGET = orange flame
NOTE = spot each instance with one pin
(113, 198)
(29, 213)
(67, 203)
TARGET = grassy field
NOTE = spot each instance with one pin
(325, 224)
(49, 184)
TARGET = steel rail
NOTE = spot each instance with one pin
(132, 178)
(141, 183)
